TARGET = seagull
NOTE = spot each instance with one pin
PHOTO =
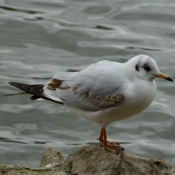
(104, 92)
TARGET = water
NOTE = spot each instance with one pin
(40, 37)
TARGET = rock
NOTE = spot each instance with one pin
(92, 159)
(51, 157)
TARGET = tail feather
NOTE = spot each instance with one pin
(36, 90)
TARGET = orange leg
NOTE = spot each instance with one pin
(101, 135)
(105, 137)
(111, 146)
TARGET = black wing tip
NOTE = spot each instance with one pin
(33, 89)
(14, 83)
(34, 97)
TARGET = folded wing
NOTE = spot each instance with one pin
(92, 89)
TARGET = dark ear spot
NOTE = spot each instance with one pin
(137, 67)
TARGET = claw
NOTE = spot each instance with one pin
(116, 149)
(113, 143)
(111, 146)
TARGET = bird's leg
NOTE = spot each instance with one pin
(101, 136)
(111, 146)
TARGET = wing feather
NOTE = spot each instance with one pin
(36, 90)
(94, 88)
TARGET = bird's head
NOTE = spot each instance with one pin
(146, 68)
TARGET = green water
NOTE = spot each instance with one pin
(41, 37)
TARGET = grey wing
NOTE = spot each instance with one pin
(92, 89)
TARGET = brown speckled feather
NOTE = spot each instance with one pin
(102, 102)
(56, 84)
(53, 84)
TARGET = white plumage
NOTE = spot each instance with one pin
(104, 92)
(102, 79)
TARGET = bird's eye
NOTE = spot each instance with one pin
(147, 68)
